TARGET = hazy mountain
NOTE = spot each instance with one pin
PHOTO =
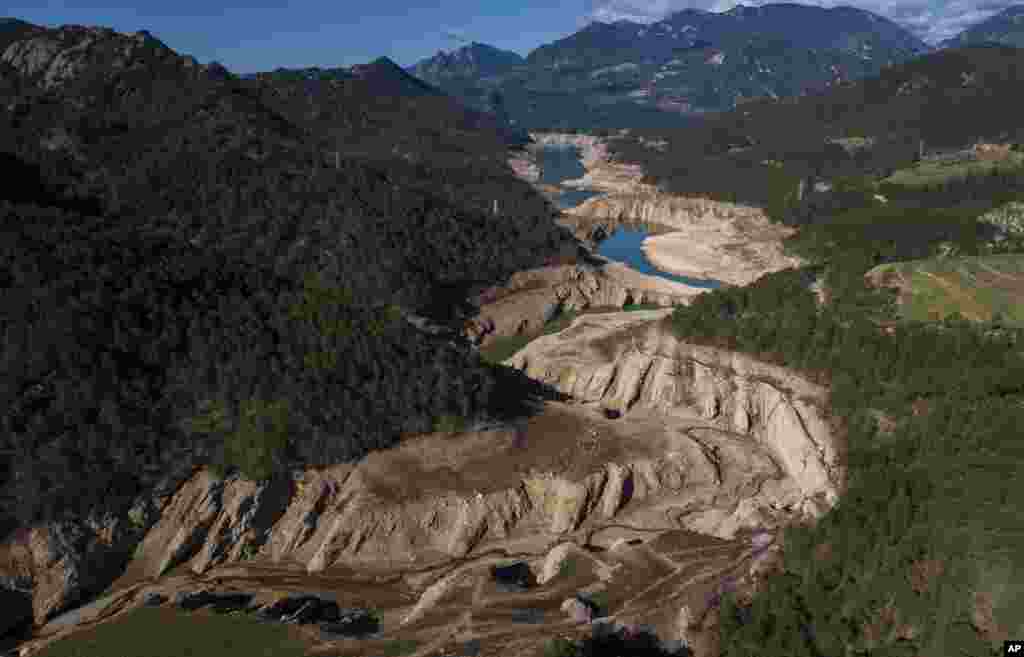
(322, 95)
(626, 74)
(942, 101)
(476, 60)
(1006, 27)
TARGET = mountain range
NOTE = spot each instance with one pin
(1006, 27)
(213, 283)
(627, 74)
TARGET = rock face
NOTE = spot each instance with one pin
(626, 360)
(732, 243)
(707, 446)
(52, 58)
(530, 298)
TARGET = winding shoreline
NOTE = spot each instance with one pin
(727, 242)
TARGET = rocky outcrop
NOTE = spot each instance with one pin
(52, 58)
(708, 446)
(735, 445)
(729, 242)
(530, 298)
(524, 165)
(628, 360)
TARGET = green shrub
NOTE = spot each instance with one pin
(254, 444)
(503, 347)
(600, 600)
(398, 647)
(248, 551)
(449, 423)
(560, 647)
(261, 439)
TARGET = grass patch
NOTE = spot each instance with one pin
(503, 347)
(398, 647)
(934, 171)
(980, 288)
(560, 647)
(449, 423)
(169, 632)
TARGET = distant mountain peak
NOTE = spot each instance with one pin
(1005, 27)
(474, 59)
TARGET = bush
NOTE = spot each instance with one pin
(257, 447)
(449, 423)
(560, 647)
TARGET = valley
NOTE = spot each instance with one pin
(329, 362)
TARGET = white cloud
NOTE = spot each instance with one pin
(930, 20)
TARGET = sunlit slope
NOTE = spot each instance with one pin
(980, 288)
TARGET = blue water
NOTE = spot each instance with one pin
(624, 246)
(559, 163)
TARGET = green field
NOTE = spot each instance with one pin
(979, 288)
(934, 170)
(170, 632)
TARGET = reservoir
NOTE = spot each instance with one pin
(559, 163)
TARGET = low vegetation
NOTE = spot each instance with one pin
(979, 288)
(168, 632)
(934, 171)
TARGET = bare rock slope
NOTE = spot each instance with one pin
(729, 242)
(659, 510)
(626, 360)
(530, 298)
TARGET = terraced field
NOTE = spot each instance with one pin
(979, 288)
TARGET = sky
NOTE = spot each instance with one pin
(259, 35)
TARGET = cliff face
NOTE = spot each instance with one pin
(712, 442)
(626, 360)
(52, 58)
(732, 243)
(532, 297)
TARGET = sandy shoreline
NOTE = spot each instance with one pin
(728, 242)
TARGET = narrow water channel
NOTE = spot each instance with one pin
(560, 163)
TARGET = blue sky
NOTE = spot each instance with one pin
(256, 35)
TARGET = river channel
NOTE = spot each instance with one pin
(560, 163)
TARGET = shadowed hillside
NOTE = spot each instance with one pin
(196, 270)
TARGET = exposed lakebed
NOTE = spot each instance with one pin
(622, 243)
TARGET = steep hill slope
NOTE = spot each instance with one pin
(187, 272)
(941, 101)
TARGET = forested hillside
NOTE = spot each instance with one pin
(761, 150)
(663, 74)
(922, 554)
(194, 270)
